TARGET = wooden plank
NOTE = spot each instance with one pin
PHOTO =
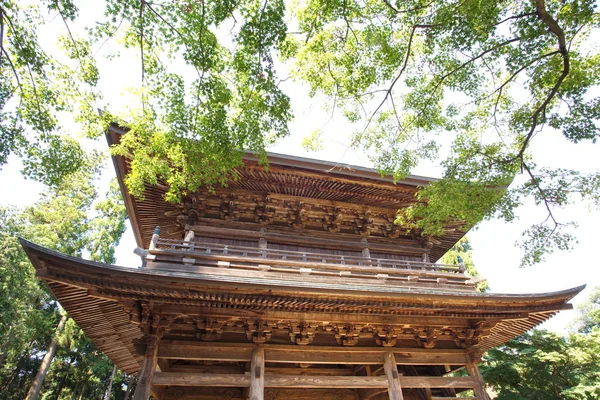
(311, 354)
(392, 377)
(257, 374)
(315, 382)
(191, 379)
(421, 382)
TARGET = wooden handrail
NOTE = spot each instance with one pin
(303, 257)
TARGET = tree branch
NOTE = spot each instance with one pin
(557, 31)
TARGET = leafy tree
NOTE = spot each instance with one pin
(589, 313)
(545, 365)
(489, 76)
(67, 219)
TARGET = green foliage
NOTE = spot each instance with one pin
(35, 88)
(486, 76)
(545, 366)
(67, 219)
(462, 253)
(589, 313)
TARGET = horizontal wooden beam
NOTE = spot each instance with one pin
(331, 317)
(308, 354)
(313, 382)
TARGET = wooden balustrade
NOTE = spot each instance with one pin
(302, 256)
(258, 262)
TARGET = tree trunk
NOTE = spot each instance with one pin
(110, 382)
(63, 382)
(36, 386)
(2, 357)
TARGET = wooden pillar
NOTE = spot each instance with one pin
(479, 388)
(391, 372)
(144, 386)
(257, 374)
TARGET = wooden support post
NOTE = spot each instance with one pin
(428, 393)
(391, 372)
(479, 386)
(257, 374)
(146, 374)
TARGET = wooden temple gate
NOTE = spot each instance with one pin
(290, 284)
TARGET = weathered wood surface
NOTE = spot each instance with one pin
(261, 270)
(257, 374)
(147, 372)
(203, 393)
(212, 393)
(308, 354)
(283, 235)
(392, 377)
(479, 387)
(303, 258)
(314, 382)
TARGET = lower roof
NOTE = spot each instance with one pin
(95, 295)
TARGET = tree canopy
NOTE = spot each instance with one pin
(489, 77)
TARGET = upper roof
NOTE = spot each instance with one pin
(299, 177)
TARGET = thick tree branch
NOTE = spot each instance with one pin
(557, 31)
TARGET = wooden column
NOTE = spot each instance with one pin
(391, 372)
(479, 388)
(144, 386)
(257, 374)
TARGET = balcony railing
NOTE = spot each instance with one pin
(307, 263)
(302, 257)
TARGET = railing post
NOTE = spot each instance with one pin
(262, 245)
(189, 240)
(155, 237)
(461, 265)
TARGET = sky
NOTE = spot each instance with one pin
(494, 252)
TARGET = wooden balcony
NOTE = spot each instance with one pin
(183, 256)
